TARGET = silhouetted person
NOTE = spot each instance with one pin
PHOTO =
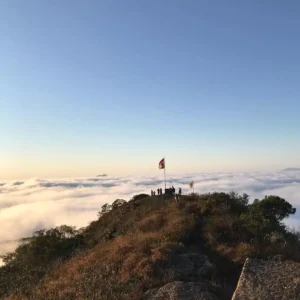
(154, 193)
(151, 193)
(157, 191)
(179, 191)
(160, 190)
(173, 190)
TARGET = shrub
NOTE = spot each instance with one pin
(139, 197)
(27, 265)
(273, 208)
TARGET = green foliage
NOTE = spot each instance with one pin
(31, 260)
(220, 203)
(273, 208)
(240, 222)
(124, 252)
(254, 227)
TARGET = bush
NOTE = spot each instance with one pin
(139, 197)
(27, 265)
(273, 208)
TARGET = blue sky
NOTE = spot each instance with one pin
(112, 86)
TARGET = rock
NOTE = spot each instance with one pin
(271, 280)
(189, 266)
(116, 234)
(109, 235)
(178, 290)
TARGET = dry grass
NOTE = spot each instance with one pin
(132, 262)
(152, 231)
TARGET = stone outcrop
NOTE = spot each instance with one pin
(268, 280)
(189, 266)
(185, 271)
(179, 290)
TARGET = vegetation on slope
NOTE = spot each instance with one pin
(132, 244)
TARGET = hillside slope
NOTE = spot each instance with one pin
(148, 242)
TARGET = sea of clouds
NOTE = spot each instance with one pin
(30, 205)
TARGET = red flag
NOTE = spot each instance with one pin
(161, 164)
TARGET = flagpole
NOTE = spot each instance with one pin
(165, 173)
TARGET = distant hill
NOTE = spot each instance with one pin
(102, 175)
(152, 248)
(290, 169)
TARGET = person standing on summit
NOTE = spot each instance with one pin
(173, 190)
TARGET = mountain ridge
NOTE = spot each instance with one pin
(147, 243)
(290, 169)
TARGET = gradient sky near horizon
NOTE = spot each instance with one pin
(93, 86)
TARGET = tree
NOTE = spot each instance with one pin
(226, 202)
(118, 203)
(104, 209)
(273, 208)
(241, 200)
(27, 265)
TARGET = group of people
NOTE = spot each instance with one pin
(170, 190)
(159, 192)
(173, 191)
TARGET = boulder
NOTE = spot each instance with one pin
(189, 266)
(271, 280)
(178, 290)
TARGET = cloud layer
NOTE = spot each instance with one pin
(26, 206)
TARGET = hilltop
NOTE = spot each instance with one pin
(290, 170)
(152, 246)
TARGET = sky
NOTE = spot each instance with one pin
(101, 86)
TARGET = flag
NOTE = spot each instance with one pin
(192, 184)
(161, 164)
